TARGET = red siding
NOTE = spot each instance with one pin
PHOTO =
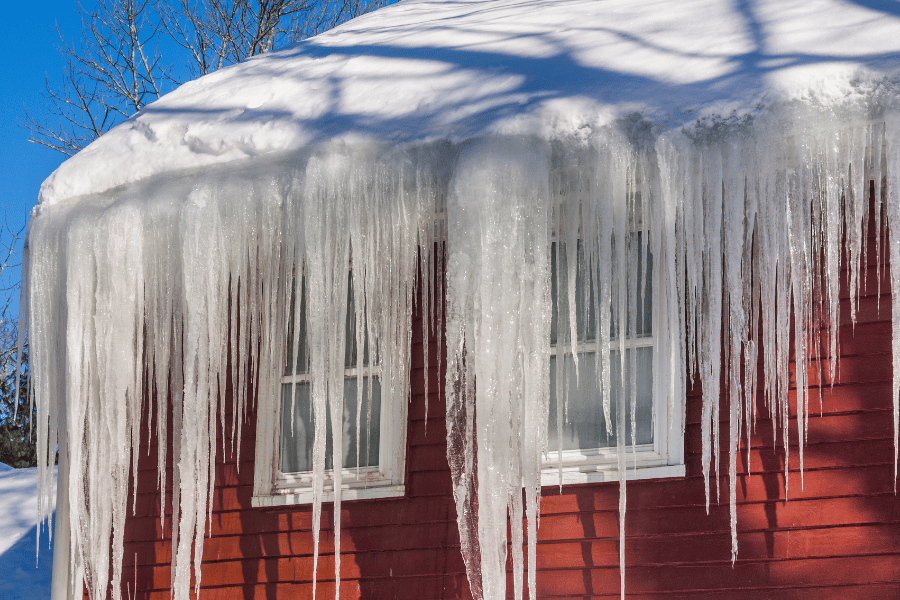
(837, 537)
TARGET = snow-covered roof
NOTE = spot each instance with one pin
(456, 69)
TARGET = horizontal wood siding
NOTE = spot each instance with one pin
(838, 536)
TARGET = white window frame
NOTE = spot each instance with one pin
(665, 456)
(276, 488)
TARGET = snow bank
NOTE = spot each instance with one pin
(25, 552)
(426, 70)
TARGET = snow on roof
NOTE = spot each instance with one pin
(456, 69)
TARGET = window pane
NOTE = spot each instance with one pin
(584, 426)
(302, 350)
(643, 285)
(297, 445)
(585, 315)
(302, 355)
(350, 346)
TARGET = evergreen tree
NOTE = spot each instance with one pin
(17, 438)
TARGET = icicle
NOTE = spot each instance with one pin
(734, 238)
(498, 334)
(186, 269)
(892, 202)
(784, 198)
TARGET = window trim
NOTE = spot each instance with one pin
(663, 458)
(272, 487)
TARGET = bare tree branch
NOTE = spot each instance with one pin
(116, 67)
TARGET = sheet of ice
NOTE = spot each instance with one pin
(456, 69)
(25, 546)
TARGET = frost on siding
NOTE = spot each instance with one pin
(178, 287)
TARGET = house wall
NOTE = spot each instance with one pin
(837, 537)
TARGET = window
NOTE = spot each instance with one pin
(587, 434)
(373, 426)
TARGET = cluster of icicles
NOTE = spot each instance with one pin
(160, 295)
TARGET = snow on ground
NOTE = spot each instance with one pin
(24, 575)
(457, 69)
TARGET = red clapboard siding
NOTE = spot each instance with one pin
(838, 536)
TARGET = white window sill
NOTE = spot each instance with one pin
(305, 496)
(594, 473)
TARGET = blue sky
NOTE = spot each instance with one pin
(28, 41)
